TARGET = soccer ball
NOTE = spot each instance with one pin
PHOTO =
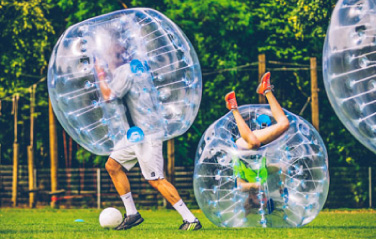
(110, 218)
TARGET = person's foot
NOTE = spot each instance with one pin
(190, 226)
(285, 195)
(130, 221)
(270, 206)
(264, 86)
(231, 101)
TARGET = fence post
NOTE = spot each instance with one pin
(370, 186)
(30, 149)
(261, 72)
(98, 188)
(35, 178)
(15, 152)
(171, 160)
(314, 94)
(170, 167)
(53, 154)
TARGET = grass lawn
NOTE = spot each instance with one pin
(49, 223)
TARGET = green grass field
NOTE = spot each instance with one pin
(49, 223)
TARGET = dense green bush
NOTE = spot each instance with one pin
(227, 35)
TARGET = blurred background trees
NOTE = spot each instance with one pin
(228, 37)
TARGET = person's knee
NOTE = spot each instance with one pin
(284, 124)
(112, 166)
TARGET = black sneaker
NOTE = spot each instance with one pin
(130, 221)
(190, 226)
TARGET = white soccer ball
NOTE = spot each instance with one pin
(110, 218)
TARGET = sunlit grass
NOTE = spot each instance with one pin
(49, 223)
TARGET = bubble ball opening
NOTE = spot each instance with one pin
(291, 173)
(146, 61)
(348, 68)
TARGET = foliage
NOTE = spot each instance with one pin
(79, 10)
(25, 42)
(227, 36)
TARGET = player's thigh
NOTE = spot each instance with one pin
(268, 134)
(150, 158)
(125, 157)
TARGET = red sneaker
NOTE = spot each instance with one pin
(231, 101)
(264, 86)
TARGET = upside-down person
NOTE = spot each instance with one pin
(248, 179)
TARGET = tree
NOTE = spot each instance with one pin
(227, 36)
(24, 46)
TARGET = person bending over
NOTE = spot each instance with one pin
(148, 154)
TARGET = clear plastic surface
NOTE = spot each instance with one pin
(145, 63)
(292, 185)
(349, 62)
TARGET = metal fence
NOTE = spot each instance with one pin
(92, 187)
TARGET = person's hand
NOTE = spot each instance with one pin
(99, 69)
(104, 89)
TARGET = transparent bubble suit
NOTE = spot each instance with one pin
(349, 61)
(291, 195)
(153, 70)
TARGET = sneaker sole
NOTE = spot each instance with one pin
(136, 223)
(196, 227)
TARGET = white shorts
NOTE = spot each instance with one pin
(148, 154)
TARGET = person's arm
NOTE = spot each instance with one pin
(103, 86)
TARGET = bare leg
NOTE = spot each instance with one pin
(272, 132)
(118, 176)
(167, 190)
(170, 193)
(253, 139)
(248, 139)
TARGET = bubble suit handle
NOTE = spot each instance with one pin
(117, 79)
(291, 174)
(349, 61)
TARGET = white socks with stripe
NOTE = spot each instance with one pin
(184, 211)
(129, 205)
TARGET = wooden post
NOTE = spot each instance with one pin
(171, 160)
(261, 71)
(170, 167)
(53, 154)
(98, 188)
(30, 149)
(15, 174)
(370, 186)
(15, 151)
(314, 94)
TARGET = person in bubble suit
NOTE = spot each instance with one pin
(248, 179)
(148, 153)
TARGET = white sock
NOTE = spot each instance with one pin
(129, 205)
(184, 211)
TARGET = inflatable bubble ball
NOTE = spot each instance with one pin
(120, 78)
(349, 62)
(282, 184)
